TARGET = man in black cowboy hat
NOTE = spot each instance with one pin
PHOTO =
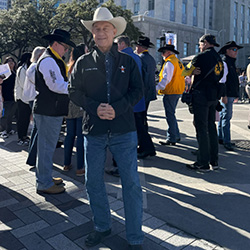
(148, 70)
(204, 100)
(51, 104)
(230, 51)
(171, 85)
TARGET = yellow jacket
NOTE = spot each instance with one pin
(177, 84)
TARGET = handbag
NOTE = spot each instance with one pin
(187, 95)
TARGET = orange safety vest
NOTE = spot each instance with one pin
(177, 84)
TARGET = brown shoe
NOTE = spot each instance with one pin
(52, 190)
(67, 167)
(80, 172)
(57, 180)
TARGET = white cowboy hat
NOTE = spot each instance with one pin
(102, 14)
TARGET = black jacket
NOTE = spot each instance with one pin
(8, 88)
(48, 102)
(232, 82)
(88, 88)
(148, 76)
(208, 84)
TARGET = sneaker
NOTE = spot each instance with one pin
(52, 190)
(66, 168)
(167, 143)
(143, 155)
(214, 165)
(228, 146)
(196, 166)
(4, 134)
(26, 141)
(96, 237)
(80, 172)
(20, 142)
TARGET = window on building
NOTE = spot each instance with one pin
(185, 49)
(197, 49)
(172, 10)
(136, 6)
(242, 10)
(248, 26)
(151, 8)
(235, 7)
(151, 4)
(184, 11)
(195, 11)
(242, 24)
(124, 4)
(235, 21)
(158, 54)
(211, 14)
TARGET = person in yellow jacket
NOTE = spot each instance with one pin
(171, 85)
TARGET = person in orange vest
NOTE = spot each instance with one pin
(171, 85)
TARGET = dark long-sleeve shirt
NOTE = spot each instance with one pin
(89, 88)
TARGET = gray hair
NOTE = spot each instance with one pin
(36, 53)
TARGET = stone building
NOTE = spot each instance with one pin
(190, 19)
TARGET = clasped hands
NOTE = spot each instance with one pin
(105, 111)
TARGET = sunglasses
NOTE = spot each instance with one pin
(66, 47)
(234, 49)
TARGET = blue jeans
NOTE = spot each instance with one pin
(31, 160)
(124, 150)
(74, 128)
(224, 123)
(170, 103)
(48, 130)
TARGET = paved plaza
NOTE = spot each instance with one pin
(183, 209)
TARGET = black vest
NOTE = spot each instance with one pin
(232, 83)
(48, 102)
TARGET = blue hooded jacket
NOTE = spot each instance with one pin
(140, 106)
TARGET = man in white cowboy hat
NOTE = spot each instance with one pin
(107, 84)
(230, 51)
(171, 85)
(50, 105)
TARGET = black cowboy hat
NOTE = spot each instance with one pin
(145, 42)
(169, 47)
(210, 39)
(60, 35)
(228, 45)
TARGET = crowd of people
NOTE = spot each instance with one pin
(104, 95)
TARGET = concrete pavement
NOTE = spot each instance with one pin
(183, 209)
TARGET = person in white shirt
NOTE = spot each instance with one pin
(171, 85)
(23, 108)
(51, 104)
